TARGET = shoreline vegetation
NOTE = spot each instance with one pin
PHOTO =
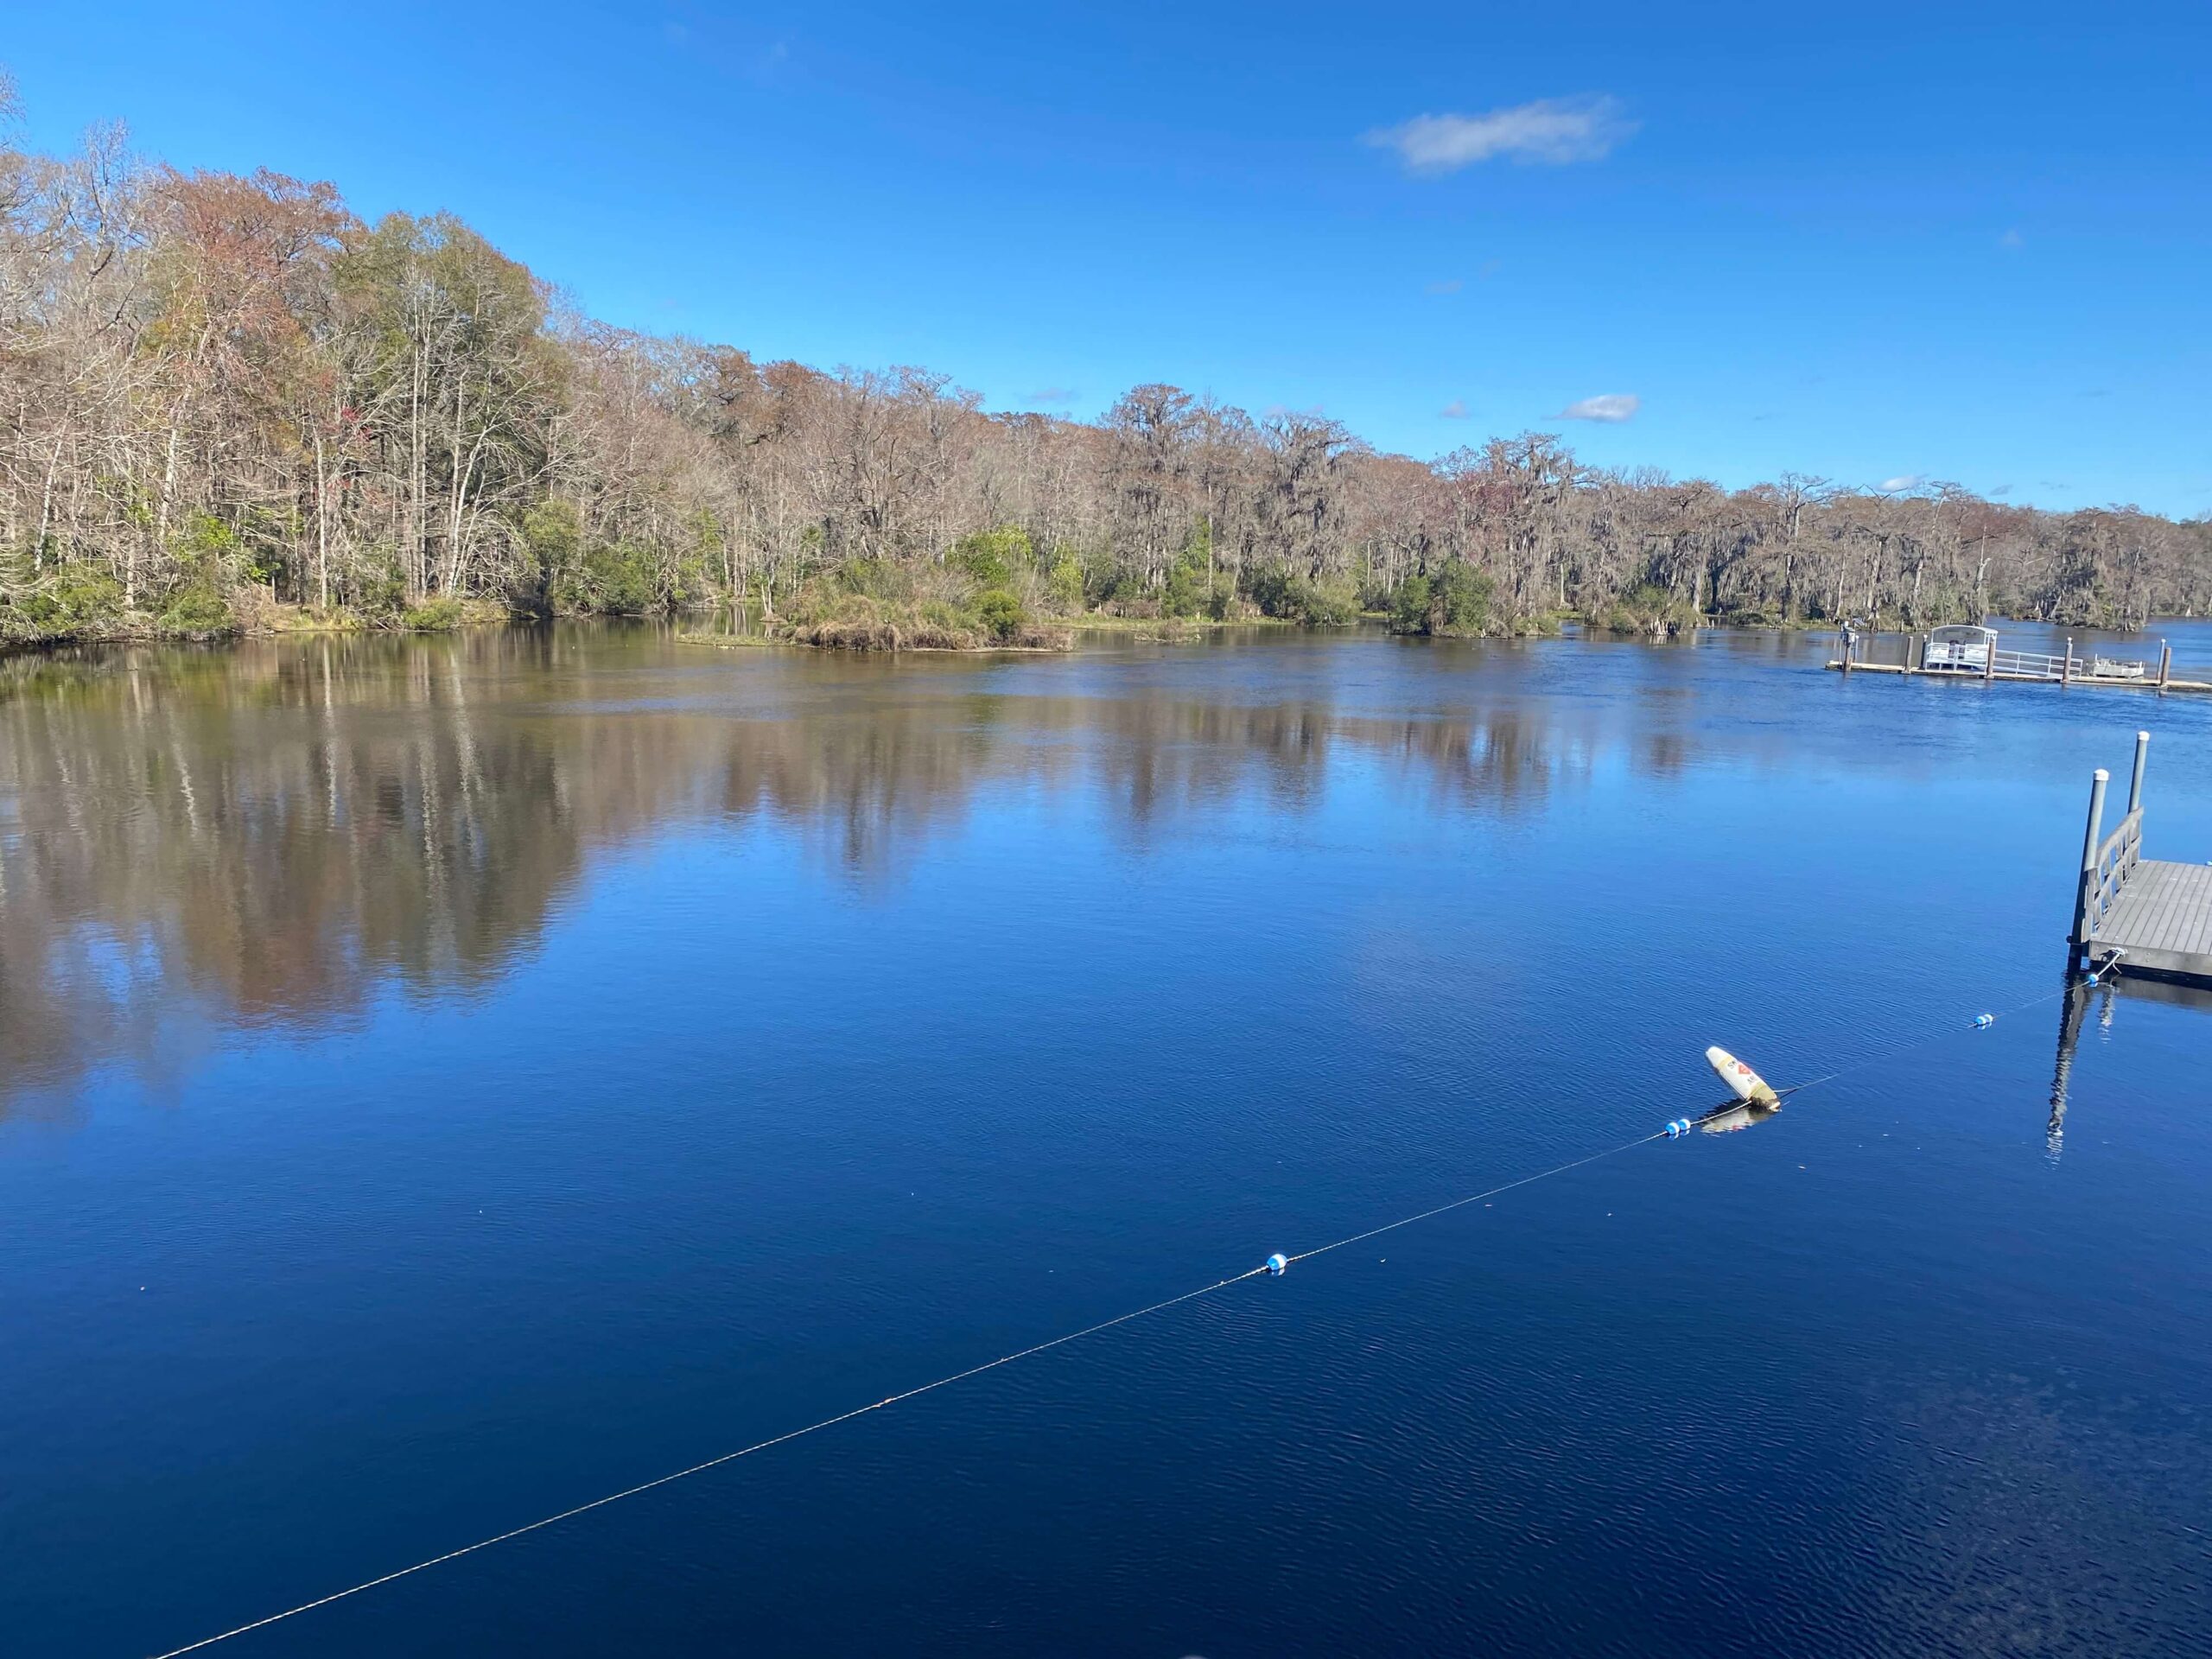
(234, 407)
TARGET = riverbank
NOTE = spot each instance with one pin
(262, 619)
(856, 623)
(1049, 636)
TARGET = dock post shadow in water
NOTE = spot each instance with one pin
(2071, 1008)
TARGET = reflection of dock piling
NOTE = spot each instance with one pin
(2149, 916)
(2069, 1035)
(2073, 1014)
(1948, 653)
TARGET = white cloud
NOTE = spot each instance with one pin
(1454, 411)
(1613, 407)
(1051, 395)
(2011, 242)
(1449, 285)
(1554, 130)
(1902, 481)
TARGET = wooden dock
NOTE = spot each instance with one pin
(2143, 915)
(1990, 666)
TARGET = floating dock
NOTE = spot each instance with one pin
(2144, 916)
(1961, 652)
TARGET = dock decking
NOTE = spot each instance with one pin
(2161, 921)
(2148, 916)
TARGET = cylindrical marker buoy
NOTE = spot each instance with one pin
(1746, 1083)
(1277, 1262)
(1985, 1021)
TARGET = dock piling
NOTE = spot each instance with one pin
(2135, 783)
(2090, 843)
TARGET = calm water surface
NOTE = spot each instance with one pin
(442, 1081)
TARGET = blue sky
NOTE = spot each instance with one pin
(1872, 243)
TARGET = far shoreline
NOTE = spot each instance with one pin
(470, 616)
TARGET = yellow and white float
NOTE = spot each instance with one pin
(1747, 1085)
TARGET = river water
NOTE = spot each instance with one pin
(446, 1080)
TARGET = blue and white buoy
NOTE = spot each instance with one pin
(1983, 1021)
(1277, 1262)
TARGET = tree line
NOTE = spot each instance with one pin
(227, 401)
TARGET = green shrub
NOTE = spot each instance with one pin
(1409, 610)
(1455, 601)
(207, 539)
(1193, 589)
(619, 580)
(1064, 585)
(554, 534)
(434, 615)
(196, 611)
(1186, 593)
(1001, 612)
(1646, 608)
(1460, 602)
(77, 600)
(1283, 594)
(992, 556)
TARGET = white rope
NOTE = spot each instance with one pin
(1891, 1053)
(711, 1463)
(977, 1370)
(1476, 1197)
(888, 1400)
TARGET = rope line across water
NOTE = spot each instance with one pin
(1004, 1359)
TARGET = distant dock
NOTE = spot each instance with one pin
(2141, 915)
(1968, 653)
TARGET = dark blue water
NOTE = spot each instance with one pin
(444, 1081)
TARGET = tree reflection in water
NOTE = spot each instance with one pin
(273, 833)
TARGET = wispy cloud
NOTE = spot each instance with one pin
(1613, 408)
(1449, 285)
(2000, 490)
(1454, 411)
(2012, 241)
(1051, 395)
(1902, 481)
(726, 47)
(1550, 131)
